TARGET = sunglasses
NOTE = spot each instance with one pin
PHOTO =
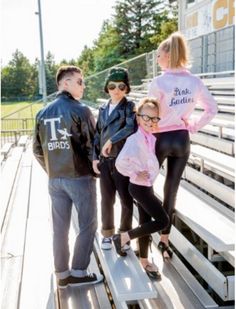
(147, 118)
(79, 81)
(120, 86)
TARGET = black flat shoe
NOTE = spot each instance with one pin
(153, 274)
(117, 242)
(164, 248)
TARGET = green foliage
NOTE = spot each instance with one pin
(18, 77)
(137, 27)
(86, 61)
(106, 52)
(166, 29)
(165, 25)
(137, 21)
(50, 71)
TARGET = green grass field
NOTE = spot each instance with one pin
(22, 115)
(20, 108)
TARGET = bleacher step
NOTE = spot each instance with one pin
(213, 227)
(213, 142)
(216, 280)
(9, 173)
(126, 278)
(217, 170)
(74, 298)
(6, 149)
(219, 131)
(13, 237)
(178, 287)
(37, 280)
(212, 186)
(23, 141)
(223, 160)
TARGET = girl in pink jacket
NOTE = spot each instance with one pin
(138, 161)
(178, 92)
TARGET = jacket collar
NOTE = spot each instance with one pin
(65, 94)
(106, 105)
(176, 71)
(149, 138)
(115, 113)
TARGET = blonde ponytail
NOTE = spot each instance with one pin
(177, 46)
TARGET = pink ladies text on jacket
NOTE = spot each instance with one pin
(138, 154)
(178, 92)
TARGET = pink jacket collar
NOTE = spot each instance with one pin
(149, 138)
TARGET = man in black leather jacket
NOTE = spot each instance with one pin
(64, 134)
(116, 121)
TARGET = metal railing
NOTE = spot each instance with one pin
(13, 136)
(20, 122)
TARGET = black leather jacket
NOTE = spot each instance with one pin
(64, 134)
(117, 127)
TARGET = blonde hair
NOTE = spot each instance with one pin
(149, 102)
(177, 46)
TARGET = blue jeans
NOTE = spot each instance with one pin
(65, 192)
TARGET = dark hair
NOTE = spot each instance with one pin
(117, 74)
(66, 70)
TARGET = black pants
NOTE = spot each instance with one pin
(110, 182)
(175, 147)
(149, 207)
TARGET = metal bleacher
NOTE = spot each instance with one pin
(27, 262)
(201, 272)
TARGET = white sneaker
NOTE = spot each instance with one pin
(106, 243)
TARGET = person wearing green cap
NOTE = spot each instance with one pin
(116, 121)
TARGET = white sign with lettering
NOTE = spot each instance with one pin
(210, 17)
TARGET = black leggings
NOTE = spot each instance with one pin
(175, 147)
(149, 207)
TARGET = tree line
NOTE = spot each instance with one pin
(136, 27)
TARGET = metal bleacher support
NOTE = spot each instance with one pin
(6, 149)
(216, 229)
(9, 173)
(219, 144)
(23, 141)
(223, 161)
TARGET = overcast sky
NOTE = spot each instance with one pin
(67, 26)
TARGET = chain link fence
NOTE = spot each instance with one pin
(139, 68)
(20, 122)
(209, 54)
